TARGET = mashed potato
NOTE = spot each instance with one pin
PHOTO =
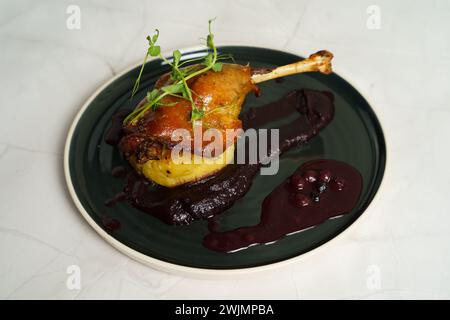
(167, 173)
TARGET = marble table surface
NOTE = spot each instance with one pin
(397, 53)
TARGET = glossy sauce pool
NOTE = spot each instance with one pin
(319, 190)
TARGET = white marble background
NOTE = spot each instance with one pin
(47, 71)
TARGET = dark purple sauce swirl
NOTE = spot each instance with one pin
(317, 191)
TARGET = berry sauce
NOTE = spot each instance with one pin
(332, 189)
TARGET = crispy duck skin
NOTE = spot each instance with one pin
(219, 94)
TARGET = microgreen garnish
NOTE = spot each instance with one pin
(179, 76)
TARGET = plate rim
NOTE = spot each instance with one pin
(177, 269)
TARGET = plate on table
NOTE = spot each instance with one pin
(354, 137)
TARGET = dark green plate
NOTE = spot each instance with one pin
(354, 136)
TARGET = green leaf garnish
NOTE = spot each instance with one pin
(154, 51)
(176, 58)
(173, 88)
(217, 67)
(155, 36)
(197, 114)
(208, 59)
(179, 76)
(152, 95)
(210, 41)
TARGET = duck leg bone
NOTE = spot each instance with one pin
(319, 61)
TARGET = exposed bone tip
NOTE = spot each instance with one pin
(324, 54)
(323, 59)
(317, 62)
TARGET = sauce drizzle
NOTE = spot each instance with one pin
(317, 191)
